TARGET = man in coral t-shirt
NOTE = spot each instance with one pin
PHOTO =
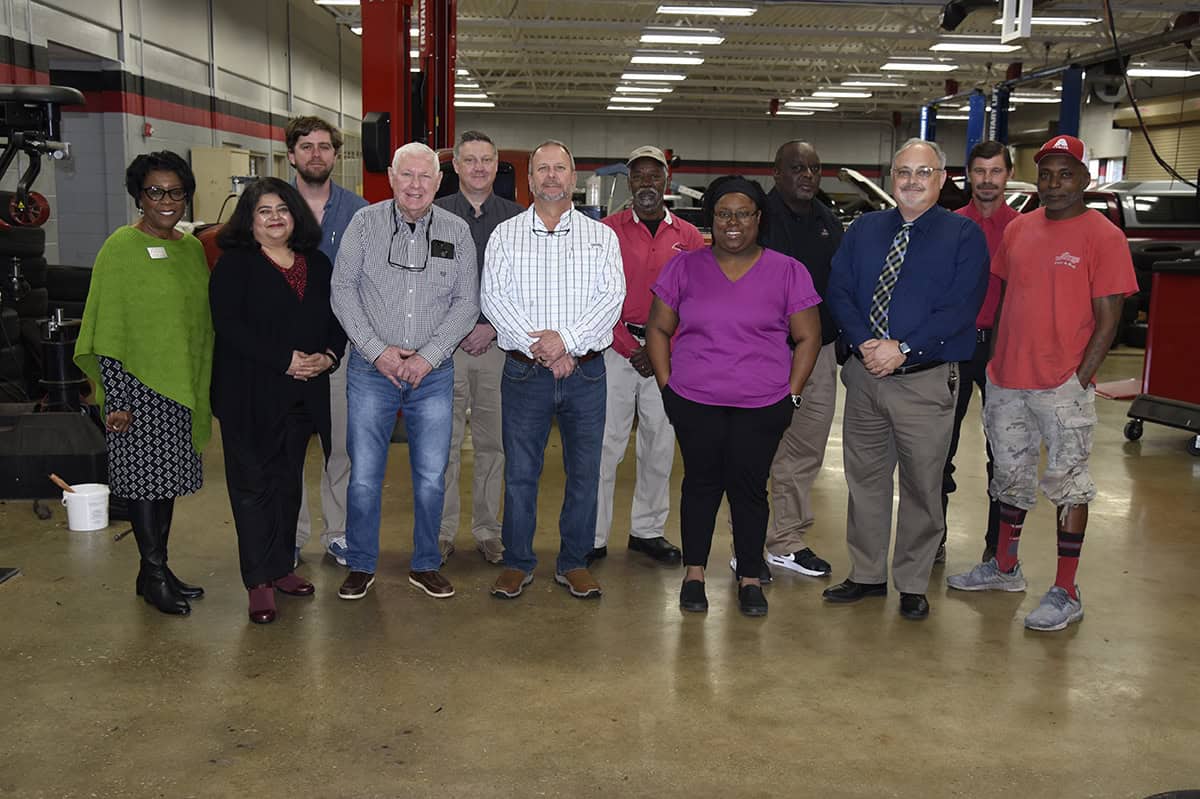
(1066, 272)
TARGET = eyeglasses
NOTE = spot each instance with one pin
(392, 244)
(742, 215)
(550, 234)
(279, 210)
(156, 193)
(812, 169)
(921, 172)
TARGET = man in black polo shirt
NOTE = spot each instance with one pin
(478, 362)
(803, 227)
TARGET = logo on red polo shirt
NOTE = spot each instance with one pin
(1066, 259)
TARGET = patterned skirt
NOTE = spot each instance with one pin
(154, 458)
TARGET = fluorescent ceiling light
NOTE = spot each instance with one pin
(629, 108)
(1062, 22)
(811, 104)
(974, 47)
(652, 76)
(414, 53)
(680, 60)
(1162, 72)
(647, 89)
(414, 69)
(918, 66)
(647, 100)
(479, 96)
(466, 86)
(356, 30)
(414, 32)
(681, 36)
(473, 104)
(954, 117)
(336, 2)
(709, 11)
(1034, 98)
(876, 84)
(838, 93)
(784, 112)
(461, 71)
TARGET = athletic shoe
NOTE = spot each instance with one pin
(805, 562)
(764, 577)
(1056, 611)
(988, 577)
(337, 549)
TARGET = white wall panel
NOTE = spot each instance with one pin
(180, 25)
(101, 12)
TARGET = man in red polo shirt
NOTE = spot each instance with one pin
(989, 166)
(649, 235)
(1066, 271)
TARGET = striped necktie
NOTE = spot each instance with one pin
(881, 300)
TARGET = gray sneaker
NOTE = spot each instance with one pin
(1056, 611)
(446, 548)
(987, 577)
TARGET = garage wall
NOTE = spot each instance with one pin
(225, 72)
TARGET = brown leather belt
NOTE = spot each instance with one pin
(909, 370)
(523, 358)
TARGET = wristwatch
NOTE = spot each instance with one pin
(904, 348)
(797, 400)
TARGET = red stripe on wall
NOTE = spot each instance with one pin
(23, 76)
(117, 102)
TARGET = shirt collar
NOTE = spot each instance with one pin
(637, 219)
(565, 219)
(399, 216)
(334, 188)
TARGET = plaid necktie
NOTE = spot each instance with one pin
(881, 300)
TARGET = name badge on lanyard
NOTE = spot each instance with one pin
(157, 253)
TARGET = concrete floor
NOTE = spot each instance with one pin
(399, 695)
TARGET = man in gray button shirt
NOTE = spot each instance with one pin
(477, 361)
(406, 290)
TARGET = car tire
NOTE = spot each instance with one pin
(68, 283)
(22, 242)
(1147, 253)
(12, 363)
(10, 325)
(33, 305)
(33, 270)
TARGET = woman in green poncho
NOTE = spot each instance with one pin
(146, 342)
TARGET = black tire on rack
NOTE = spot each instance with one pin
(12, 363)
(33, 305)
(32, 269)
(10, 327)
(70, 308)
(68, 283)
(23, 242)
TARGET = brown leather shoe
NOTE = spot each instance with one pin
(432, 583)
(262, 604)
(356, 585)
(294, 585)
(580, 583)
(511, 583)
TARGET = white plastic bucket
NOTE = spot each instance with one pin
(87, 507)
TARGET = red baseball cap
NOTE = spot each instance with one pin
(1064, 145)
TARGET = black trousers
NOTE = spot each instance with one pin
(727, 452)
(264, 480)
(971, 372)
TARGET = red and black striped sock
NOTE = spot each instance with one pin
(1069, 545)
(1011, 521)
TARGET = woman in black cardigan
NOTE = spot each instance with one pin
(277, 340)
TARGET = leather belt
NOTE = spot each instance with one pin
(637, 331)
(982, 336)
(909, 370)
(523, 358)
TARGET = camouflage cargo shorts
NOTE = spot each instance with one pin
(1019, 421)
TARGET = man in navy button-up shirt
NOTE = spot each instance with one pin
(901, 389)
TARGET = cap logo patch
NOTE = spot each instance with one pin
(1061, 144)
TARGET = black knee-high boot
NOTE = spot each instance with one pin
(166, 509)
(152, 573)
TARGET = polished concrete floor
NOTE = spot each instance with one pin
(399, 695)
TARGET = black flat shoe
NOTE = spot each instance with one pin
(914, 606)
(599, 553)
(850, 591)
(658, 548)
(692, 598)
(751, 600)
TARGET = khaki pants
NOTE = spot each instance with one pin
(905, 420)
(799, 457)
(477, 386)
(630, 394)
(336, 477)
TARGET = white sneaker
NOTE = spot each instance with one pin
(1056, 611)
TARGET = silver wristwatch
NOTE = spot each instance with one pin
(797, 400)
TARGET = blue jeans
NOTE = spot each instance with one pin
(428, 414)
(530, 399)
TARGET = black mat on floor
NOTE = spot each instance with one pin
(6, 572)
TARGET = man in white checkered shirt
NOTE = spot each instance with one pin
(552, 287)
(405, 288)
